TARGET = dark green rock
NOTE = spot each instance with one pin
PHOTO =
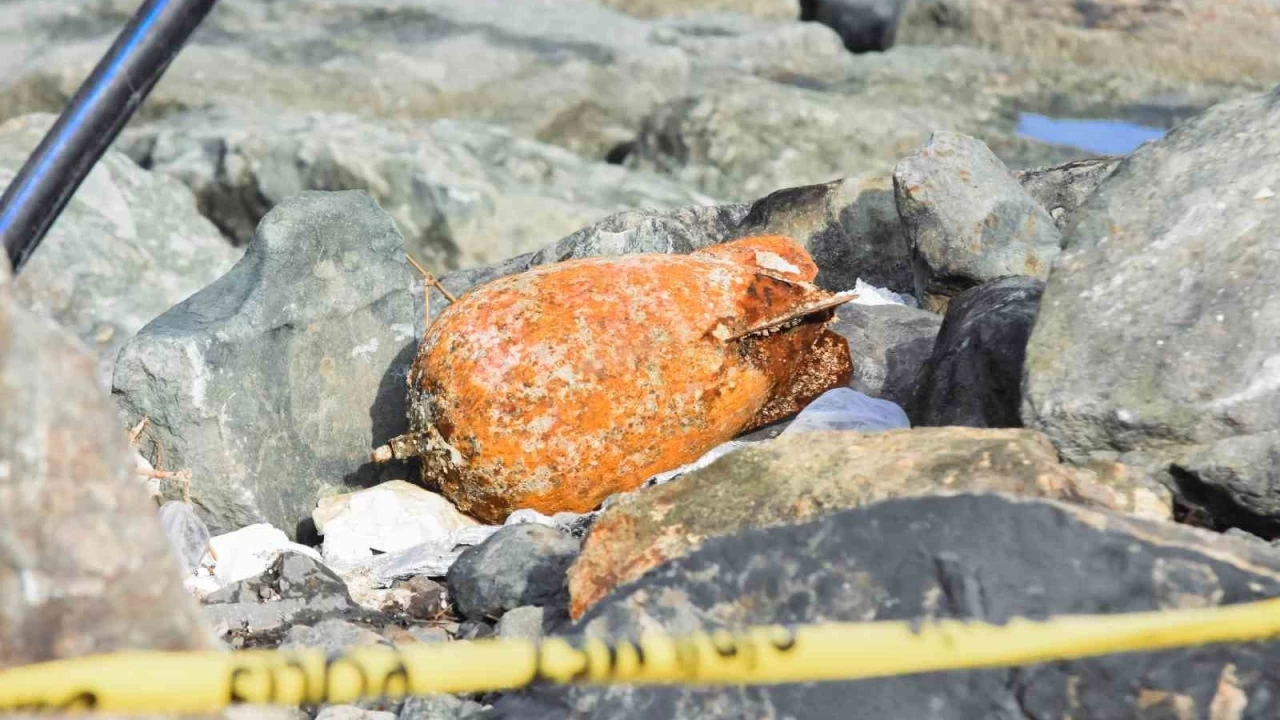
(274, 383)
(519, 565)
(974, 375)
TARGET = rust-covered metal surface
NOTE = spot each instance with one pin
(557, 387)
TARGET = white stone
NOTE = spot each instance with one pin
(395, 515)
(871, 295)
(529, 516)
(240, 555)
(367, 579)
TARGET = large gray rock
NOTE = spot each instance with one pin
(84, 565)
(863, 25)
(984, 556)
(291, 576)
(462, 193)
(799, 477)
(1232, 483)
(969, 220)
(645, 231)
(519, 565)
(974, 376)
(849, 226)
(890, 344)
(128, 246)
(1159, 330)
(522, 623)
(273, 384)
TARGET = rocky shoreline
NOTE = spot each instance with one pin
(1065, 366)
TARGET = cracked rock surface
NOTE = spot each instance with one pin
(972, 555)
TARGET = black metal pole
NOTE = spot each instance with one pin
(92, 120)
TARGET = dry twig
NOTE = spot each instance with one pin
(136, 432)
(429, 280)
(159, 473)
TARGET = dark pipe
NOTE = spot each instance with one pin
(93, 119)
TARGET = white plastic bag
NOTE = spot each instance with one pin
(846, 409)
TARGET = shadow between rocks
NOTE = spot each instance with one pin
(904, 364)
(389, 417)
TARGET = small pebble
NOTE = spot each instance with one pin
(522, 623)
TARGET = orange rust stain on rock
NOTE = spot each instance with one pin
(557, 387)
(606, 571)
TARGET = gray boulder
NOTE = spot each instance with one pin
(974, 376)
(462, 193)
(519, 565)
(863, 25)
(849, 226)
(84, 565)
(1159, 330)
(988, 557)
(969, 220)
(128, 246)
(890, 345)
(272, 384)
(333, 636)
(645, 231)
(291, 576)
(1232, 483)
(522, 623)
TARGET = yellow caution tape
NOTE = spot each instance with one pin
(201, 682)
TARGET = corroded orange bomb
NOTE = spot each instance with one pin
(554, 388)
